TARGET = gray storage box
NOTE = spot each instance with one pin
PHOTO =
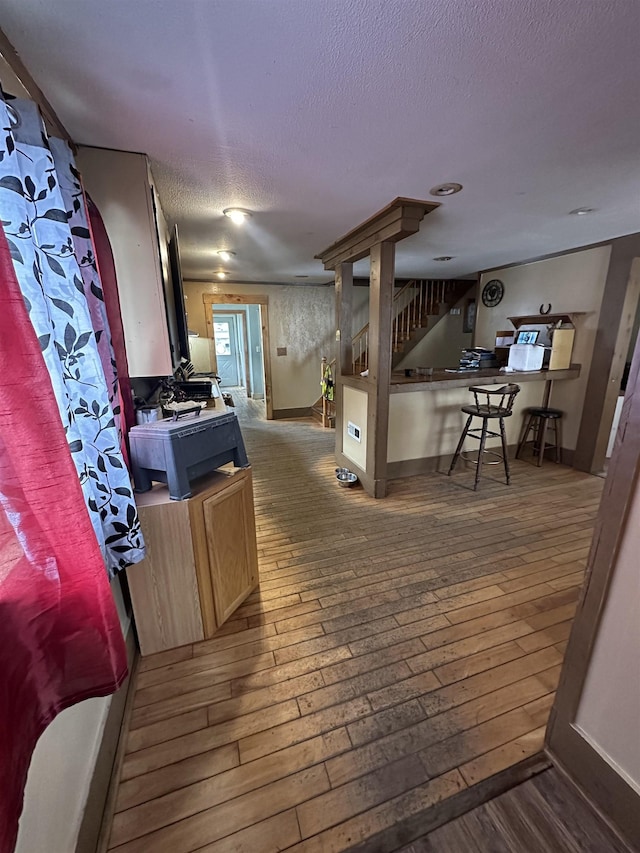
(175, 452)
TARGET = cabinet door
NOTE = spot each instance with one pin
(231, 546)
(118, 183)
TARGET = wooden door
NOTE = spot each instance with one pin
(231, 545)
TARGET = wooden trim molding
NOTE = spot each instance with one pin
(615, 324)
(606, 788)
(11, 56)
(211, 299)
(284, 414)
(399, 219)
(101, 799)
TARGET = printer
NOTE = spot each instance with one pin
(175, 451)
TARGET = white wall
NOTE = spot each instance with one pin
(302, 319)
(61, 770)
(609, 710)
(572, 282)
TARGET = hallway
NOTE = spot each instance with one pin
(397, 654)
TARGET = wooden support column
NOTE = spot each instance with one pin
(617, 314)
(344, 319)
(376, 237)
(344, 349)
(380, 322)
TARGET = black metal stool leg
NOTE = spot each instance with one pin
(559, 440)
(459, 447)
(542, 439)
(505, 452)
(523, 440)
(483, 440)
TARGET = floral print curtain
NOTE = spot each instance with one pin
(43, 214)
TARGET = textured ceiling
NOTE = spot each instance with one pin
(316, 113)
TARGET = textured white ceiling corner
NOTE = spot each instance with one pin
(316, 113)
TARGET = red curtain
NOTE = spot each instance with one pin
(60, 636)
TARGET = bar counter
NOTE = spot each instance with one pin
(425, 412)
(440, 380)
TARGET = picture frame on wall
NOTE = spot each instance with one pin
(469, 317)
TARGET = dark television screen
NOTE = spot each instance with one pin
(178, 294)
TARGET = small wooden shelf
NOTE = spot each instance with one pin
(545, 319)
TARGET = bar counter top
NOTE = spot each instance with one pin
(441, 380)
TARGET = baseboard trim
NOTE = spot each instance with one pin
(287, 414)
(431, 464)
(99, 809)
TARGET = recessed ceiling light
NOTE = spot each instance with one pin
(444, 258)
(450, 188)
(302, 276)
(238, 215)
(226, 255)
(582, 211)
(221, 274)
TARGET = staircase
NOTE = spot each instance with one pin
(324, 409)
(417, 308)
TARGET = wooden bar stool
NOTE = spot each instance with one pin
(489, 404)
(538, 418)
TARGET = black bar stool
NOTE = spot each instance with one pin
(538, 420)
(489, 403)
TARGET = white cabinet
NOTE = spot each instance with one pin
(120, 184)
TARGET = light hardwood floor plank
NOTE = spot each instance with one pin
(396, 652)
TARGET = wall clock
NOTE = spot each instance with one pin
(492, 293)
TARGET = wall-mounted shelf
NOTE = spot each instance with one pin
(545, 319)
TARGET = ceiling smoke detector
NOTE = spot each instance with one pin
(237, 215)
(444, 258)
(450, 188)
(226, 255)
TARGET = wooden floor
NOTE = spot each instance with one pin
(543, 815)
(398, 653)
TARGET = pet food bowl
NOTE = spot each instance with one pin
(347, 479)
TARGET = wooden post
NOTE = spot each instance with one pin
(323, 367)
(380, 323)
(617, 314)
(344, 338)
(344, 319)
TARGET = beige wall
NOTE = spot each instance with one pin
(609, 711)
(302, 319)
(572, 282)
(424, 424)
(442, 346)
(354, 409)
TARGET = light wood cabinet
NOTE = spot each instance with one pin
(121, 185)
(202, 560)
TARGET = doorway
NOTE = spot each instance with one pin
(238, 328)
(229, 335)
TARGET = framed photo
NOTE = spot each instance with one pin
(528, 336)
(469, 319)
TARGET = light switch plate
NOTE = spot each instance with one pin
(354, 431)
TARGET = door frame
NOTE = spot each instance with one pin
(565, 743)
(211, 299)
(245, 344)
